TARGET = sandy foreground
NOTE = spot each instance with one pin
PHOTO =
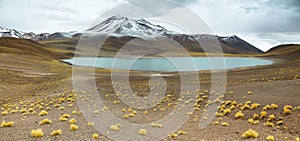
(29, 87)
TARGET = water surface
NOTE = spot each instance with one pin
(169, 64)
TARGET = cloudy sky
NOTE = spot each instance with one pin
(263, 23)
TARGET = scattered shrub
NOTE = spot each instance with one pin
(4, 113)
(142, 132)
(45, 121)
(56, 132)
(43, 113)
(250, 134)
(263, 114)
(270, 138)
(224, 124)
(95, 136)
(181, 132)
(7, 124)
(73, 127)
(37, 133)
(114, 127)
(239, 114)
(252, 121)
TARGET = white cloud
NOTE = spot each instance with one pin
(247, 18)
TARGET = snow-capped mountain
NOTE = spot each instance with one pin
(123, 26)
(6, 32)
(118, 27)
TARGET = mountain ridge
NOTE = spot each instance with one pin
(118, 27)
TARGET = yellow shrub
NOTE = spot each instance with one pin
(142, 132)
(96, 112)
(56, 132)
(173, 135)
(90, 124)
(95, 136)
(215, 122)
(217, 114)
(263, 114)
(73, 127)
(7, 124)
(255, 105)
(45, 121)
(224, 124)
(232, 107)
(269, 124)
(23, 110)
(66, 115)
(43, 113)
(74, 112)
(131, 115)
(239, 115)
(255, 116)
(62, 119)
(250, 134)
(288, 107)
(72, 121)
(245, 107)
(4, 113)
(226, 112)
(274, 106)
(114, 127)
(249, 93)
(252, 121)
(287, 111)
(270, 138)
(267, 107)
(271, 117)
(181, 132)
(157, 125)
(37, 133)
(280, 122)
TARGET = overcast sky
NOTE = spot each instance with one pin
(263, 23)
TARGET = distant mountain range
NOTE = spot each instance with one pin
(5, 32)
(122, 29)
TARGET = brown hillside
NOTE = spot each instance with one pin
(27, 47)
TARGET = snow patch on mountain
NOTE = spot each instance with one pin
(123, 26)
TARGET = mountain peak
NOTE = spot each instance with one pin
(123, 26)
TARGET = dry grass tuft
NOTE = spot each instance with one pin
(73, 127)
(43, 113)
(269, 124)
(142, 132)
(263, 114)
(56, 132)
(224, 124)
(252, 121)
(270, 138)
(37, 133)
(250, 134)
(274, 106)
(95, 136)
(7, 124)
(182, 132)
(72, 121)
(45, 121)
(114, 127)
(4, 113)
(239, 114)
